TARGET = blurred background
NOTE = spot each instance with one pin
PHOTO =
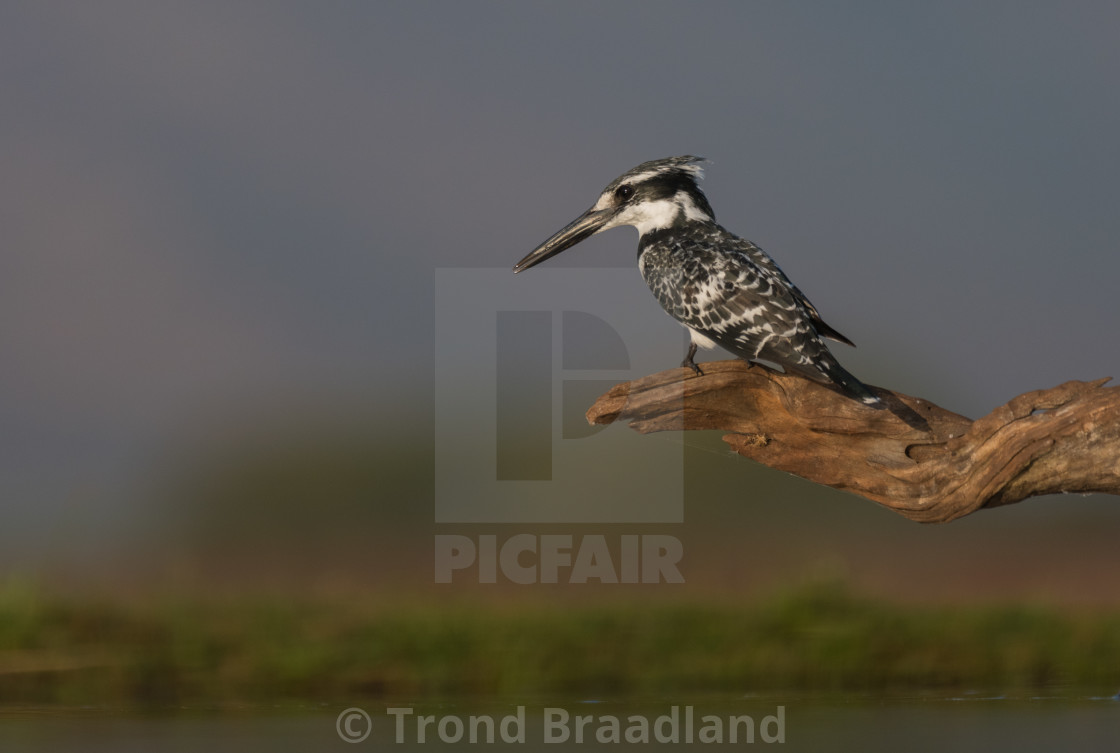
(222, 224)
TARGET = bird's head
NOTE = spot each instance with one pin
(652, 196)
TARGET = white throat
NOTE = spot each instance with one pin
(657, 215)
(652, 215)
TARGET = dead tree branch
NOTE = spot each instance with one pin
(920, 460)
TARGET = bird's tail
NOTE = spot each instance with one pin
(829, 371)
(858, 390)
(853, 387)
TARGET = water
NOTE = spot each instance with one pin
(971, 722)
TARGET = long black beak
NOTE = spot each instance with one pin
(580, 229)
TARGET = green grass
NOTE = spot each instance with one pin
(817, 638)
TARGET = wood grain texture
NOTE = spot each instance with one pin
(920, 460)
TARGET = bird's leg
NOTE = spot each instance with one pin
(689, 362)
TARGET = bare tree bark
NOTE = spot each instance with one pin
(920, 460)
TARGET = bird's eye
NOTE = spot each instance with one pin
(624, 192)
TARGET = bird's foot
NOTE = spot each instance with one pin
(689, 363)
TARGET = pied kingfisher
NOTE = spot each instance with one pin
(725, 290)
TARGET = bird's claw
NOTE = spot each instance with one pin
(689, 363)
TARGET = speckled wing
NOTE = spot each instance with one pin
(763, 261)
(710, 282)
(722, 294)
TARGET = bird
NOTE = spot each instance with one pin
(724, 289)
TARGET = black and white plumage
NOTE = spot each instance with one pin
(725, 290)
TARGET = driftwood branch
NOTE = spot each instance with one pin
(920, 460)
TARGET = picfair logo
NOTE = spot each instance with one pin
(518, 362)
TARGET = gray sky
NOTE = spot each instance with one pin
(215, 213)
